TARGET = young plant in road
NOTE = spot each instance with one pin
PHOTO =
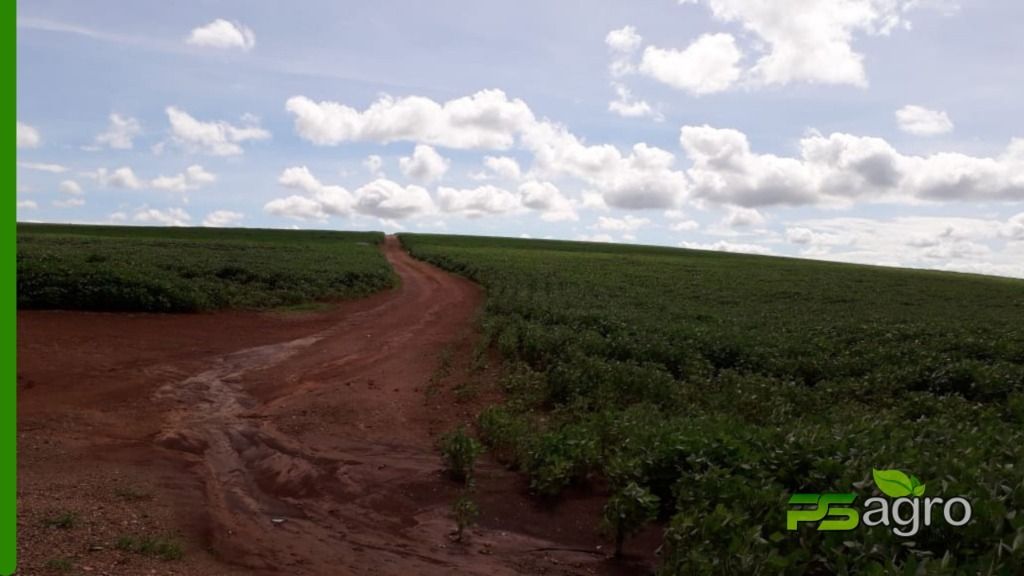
(465, 512)
(459, 451)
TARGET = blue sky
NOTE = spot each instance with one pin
(877, 131)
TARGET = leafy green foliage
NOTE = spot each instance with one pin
(627, 511)
(190, 269)
(723, 383)
(459, 451)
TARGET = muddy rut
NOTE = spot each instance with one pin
(283, 445)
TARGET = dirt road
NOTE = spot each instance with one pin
(295, 443)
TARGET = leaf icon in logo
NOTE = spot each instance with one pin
(894, 484)
(917, 487)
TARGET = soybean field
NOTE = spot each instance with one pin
(120, 268)
(699, 390)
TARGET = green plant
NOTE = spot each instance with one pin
(561, 457)
(466, 391)
(459, 451)
(63, 520)
(465, 512)
(627, 511)
(156, 546)
(479, 363)
(506, 434)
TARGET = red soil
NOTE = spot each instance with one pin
(290, 443)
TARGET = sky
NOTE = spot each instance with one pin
(875, 131)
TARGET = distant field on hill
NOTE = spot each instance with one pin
(193, 269)
(720, 384)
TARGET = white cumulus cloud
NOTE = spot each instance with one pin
(123, 177)
(923, 121)
(223, 219)
(70, 187)
(799, 235)
(381, 198)
(216, 138)
(28, 137)
(296, 207)
(389, 200)
(503, 167)
(487, 119)
(644, 179)
(622, 43)
(548, 200)
(224, 35)
(168, 217)
(425, 164)
(840, 168)
(477, 202)
(120, 132)
(738, 217)
(710, 64)
(623, 39)
(726, 246)
(330, 199)
(628, 106)
(812, 40)
(192, 178)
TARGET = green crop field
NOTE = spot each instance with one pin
(191, 269)
(703, 389)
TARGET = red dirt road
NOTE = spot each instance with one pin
(287, 443)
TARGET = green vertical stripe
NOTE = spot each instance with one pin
(8, 400)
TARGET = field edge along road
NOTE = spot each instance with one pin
(277, 441)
